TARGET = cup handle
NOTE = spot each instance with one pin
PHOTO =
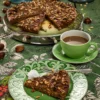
(93, 47)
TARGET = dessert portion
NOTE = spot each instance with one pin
(32, 24)
(22, 11)
(53, 84)
(59, 13)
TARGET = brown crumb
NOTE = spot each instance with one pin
(37, 97)
(50, 26)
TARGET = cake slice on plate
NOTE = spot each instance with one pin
(53, 84)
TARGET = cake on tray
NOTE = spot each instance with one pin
(60, 14)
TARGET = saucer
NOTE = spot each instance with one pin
(59, 54)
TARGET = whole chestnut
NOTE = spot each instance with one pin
(0, 19)
(87, 20)
(28, 37)
(19, 48)
(4, 10)
(2, 54)
(1, 46)
(7, 3)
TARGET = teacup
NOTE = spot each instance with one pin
(77, 43)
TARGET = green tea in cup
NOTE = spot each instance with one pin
(76, 43)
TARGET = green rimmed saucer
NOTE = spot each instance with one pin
(58, 53)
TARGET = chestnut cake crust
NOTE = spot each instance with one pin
(53, 84)
(59, 13)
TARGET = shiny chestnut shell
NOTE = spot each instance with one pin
(7, 3)
(19, 48)
(1, 46)
(87, 20)
(2, 54)
(4, 10)
(0, 19)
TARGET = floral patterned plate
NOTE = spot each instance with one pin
(17, 90)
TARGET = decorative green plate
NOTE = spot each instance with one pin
(78, 86)
(58, 53)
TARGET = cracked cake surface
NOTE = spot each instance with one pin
(22, 11)
(32, 24)
(54, 84)
(59, 13)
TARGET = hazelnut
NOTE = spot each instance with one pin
(4, 10)
(87, 20)
(19, 48)
(7, 3)
(2, 54)
(1, 46)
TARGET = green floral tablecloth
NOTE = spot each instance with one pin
(13, 60)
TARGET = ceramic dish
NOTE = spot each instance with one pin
(17, 90)
(45, 36)
(59, 54)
